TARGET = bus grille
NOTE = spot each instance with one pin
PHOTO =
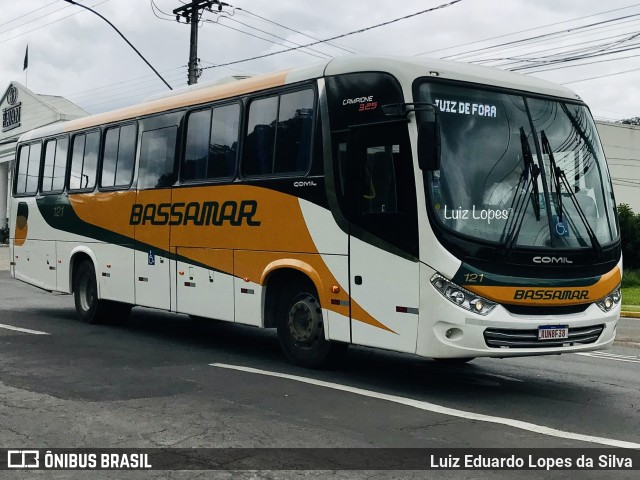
(503, 338)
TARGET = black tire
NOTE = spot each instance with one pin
(301, 328)
(89, 308)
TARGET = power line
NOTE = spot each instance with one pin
(124, 38)
(29, 13)
(460, 56)
(439, 7)
(51, 23)
(526, 30)
(262, 38)
(600, 76)
(292, 29)
(272, 34)
(154, 7)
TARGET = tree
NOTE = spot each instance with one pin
(630, 235)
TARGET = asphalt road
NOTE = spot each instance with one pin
(150, 383)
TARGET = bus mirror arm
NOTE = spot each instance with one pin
(404, 109)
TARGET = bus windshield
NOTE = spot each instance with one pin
(519, 171)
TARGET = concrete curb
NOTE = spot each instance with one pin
(630, 314)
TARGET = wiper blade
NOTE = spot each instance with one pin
(561, 177)
(556, 173)
(528, 177)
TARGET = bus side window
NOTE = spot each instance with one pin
(279, 134)
(293, 140)
(33, 170)
(223, 143)
(197, 145)
(118, 156)
(23, 164)
(84, 161)
(258, 146)
(55, 165)
(157, 158)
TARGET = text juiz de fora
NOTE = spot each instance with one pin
(486, 214)
(471, 461)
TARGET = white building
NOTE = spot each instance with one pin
(621, 145)
(22, 110)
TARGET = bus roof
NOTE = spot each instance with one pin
(404, 68)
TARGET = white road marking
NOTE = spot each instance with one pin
(24, 330)
(619, 358)
(617, 355)
(503, 377)
(431, 407)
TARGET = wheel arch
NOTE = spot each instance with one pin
(79, 255)
(278, 274)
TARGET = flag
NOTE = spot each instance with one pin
(26, 58)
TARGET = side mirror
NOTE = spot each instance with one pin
(429, 145)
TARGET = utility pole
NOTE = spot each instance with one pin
(191, 12)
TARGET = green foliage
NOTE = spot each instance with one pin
(630, 296)
(630, 235)
(631, 278)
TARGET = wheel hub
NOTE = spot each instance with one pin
(305, 322)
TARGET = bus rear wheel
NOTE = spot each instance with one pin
(301, 327)
(89, 308)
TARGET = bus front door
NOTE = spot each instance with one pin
(383, 251)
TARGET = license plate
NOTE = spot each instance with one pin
(553, 332)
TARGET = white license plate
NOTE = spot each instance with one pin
(553, 332)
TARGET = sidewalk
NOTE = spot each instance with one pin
(4, 257)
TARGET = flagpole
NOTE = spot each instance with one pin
(25, 67)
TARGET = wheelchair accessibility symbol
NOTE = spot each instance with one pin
(152, 258)
(562, 230)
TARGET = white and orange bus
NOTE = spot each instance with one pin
(422, 206)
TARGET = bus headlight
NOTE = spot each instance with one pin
(461, 296)
(607, 303)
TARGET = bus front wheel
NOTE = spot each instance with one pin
(301, 328)
(89, 308)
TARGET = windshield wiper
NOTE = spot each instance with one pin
(556, 173)
(529, 176)
(558, 177)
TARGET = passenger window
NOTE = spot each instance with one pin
(55, 165)
(223, 145)
(258, 147)
(279, 134)
(293, 140)
(197, 147)
(33, 170)
(118, 156)
(157, 158)
(84, 161)
(27, 155)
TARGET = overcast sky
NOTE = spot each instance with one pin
(75, 54)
